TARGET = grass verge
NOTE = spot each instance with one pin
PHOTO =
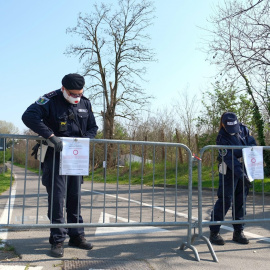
(165, 174)
(5, 181)
(160, 175)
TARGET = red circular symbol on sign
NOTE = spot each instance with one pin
(75, 152)
(253, 160)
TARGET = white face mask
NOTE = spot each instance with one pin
(71, 99)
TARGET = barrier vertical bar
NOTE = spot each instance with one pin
(200, 221)
(10, 187)
(129, 181)
(153, 185)
(105, 182)
(79, 199)
(263, 198)
(233, 180)
(165, 185)
(189, 242)
(25, 174)
(142, 162)
(52, 190)
(176, 183)
(92, 183)
(117, 182)
(65, 199)
(39, 170)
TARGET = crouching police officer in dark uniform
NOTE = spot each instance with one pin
(62, 113)
(235, 134)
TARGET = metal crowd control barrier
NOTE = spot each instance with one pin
(255, 205)
(107, 203)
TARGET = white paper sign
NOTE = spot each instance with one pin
(253, 159)
(74, 158)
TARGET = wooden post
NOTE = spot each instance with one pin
(163, 139)
(145, 149)
(197, 144)
(179, 149)
(133, 146)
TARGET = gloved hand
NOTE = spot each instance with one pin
(58, 144)
(247, 182)
(35, 150)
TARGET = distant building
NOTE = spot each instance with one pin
(133, 158)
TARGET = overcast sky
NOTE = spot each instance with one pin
(33, 42)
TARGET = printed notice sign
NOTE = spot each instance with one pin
(253, 159)
(74, 158)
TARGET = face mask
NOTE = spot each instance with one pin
(71, 99)
(232, 134)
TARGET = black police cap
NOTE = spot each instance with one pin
(73, 81)
(230, 122)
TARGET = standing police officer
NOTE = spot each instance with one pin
(235, 134)
(62, 113)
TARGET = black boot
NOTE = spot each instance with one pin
(215, 238)
(238, 236)
(80, 242)
(57, 250)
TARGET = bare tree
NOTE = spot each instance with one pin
(242, 9)
(113, 50)
(239, 45)
(186, 109)
(8, 128)
(159, 127)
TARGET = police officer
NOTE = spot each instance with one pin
(62, 113)
(235, 134)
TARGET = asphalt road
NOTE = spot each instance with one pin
(124, 248)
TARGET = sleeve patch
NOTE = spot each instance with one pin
(223, 152)
(42, 100)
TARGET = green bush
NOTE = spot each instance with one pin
(5, 155)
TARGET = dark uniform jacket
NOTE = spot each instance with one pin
(239, 139)
(53, 114)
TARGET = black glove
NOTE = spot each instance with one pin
(247, 182)
(35, 150)
(58, 144)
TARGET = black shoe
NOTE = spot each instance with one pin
(238, 236)
(57, 250)
(215, 238)
(80, 242)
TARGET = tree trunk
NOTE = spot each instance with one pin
(145, 150)
(196, 144)
(179, 148)
(162, 140)
(109, 123)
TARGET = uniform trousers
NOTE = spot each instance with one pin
(57, 189)
(233, 190)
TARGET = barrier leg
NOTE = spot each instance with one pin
(185, 244)
(210, 247)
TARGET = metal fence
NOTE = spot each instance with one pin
(131, 191)
(159, 201)
(257, 210)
